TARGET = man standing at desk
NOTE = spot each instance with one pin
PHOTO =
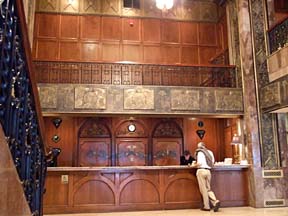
(205, 160)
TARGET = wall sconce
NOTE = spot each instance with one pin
(237, 149)
(164, 4)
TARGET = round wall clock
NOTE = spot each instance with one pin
(131, 128)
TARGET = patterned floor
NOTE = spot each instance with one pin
(239, 211)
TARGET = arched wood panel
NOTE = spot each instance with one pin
(183, 188)
(167, 143)
(166, 151)
(94, 192)
(94, 143)
(131, 146)
(139, 191)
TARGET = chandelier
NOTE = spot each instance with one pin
(164, 4)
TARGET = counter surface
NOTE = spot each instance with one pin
(123, 168)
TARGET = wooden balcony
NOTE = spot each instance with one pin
(135, 74)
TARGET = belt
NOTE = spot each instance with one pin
(205, 168)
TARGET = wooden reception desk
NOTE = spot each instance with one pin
(98, 189)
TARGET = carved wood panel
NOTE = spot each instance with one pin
(173, 188)
(94, 152)
(131, 151)
(166, 151)
(94, 143)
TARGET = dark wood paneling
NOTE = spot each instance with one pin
(151, 30)
(152, 54)
(206, 54)
(94, 152)
(131, 29)
(124, 140)
(207, 34)
(67, 140)
(189, 33)
(140, 191)
(111, 28)
(89, 51)
(132, 52)
(93, 191)
(47, 49)
(132, 151)
(111, 51)
(69, 51)
(170, 31)
(69, 27)
(135, 189)
(190, 55)
(171, 54)
(143, 40)
(56, 192)
(191, 138)
(166, 151)
(90, 27)
(47, 25)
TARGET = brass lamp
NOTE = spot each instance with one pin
(237, 149)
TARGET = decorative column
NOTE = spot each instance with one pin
(251, 109)
(259, 131)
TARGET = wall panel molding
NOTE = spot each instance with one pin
(108, 99)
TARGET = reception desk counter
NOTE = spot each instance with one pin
(98, 189)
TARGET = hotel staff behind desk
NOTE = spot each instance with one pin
(204, 163)
(186, 158)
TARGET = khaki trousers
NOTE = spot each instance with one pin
(204, 178)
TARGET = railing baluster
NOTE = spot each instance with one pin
(18, 109)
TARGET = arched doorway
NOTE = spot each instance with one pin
(131, 143)
(167, 143)
(94, 144)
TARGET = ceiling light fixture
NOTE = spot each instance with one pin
(164, 4)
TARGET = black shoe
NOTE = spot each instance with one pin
(216, 207)
(204, 209)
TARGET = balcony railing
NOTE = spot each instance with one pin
(135, 74)
(20, 113)
(278, 35)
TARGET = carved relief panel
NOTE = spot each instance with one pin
(94, 152)
(167, 143)
(94, 147)
(131, 143)
(166, 152)
(131, 151)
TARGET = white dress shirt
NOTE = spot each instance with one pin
(201, 159)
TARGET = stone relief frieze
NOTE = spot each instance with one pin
(111, 7)
(48, 5)
(163, 99)
(90, 98)
(91, 6)
(270, 95)
(138, 98)
(150, 9)
(228, 100)
(152, 100)
(65, 100)
(208, 11)
(131, 12)
(185, 99)
(191, 10)
(48, 97)
(196, 10)
(69, 6)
